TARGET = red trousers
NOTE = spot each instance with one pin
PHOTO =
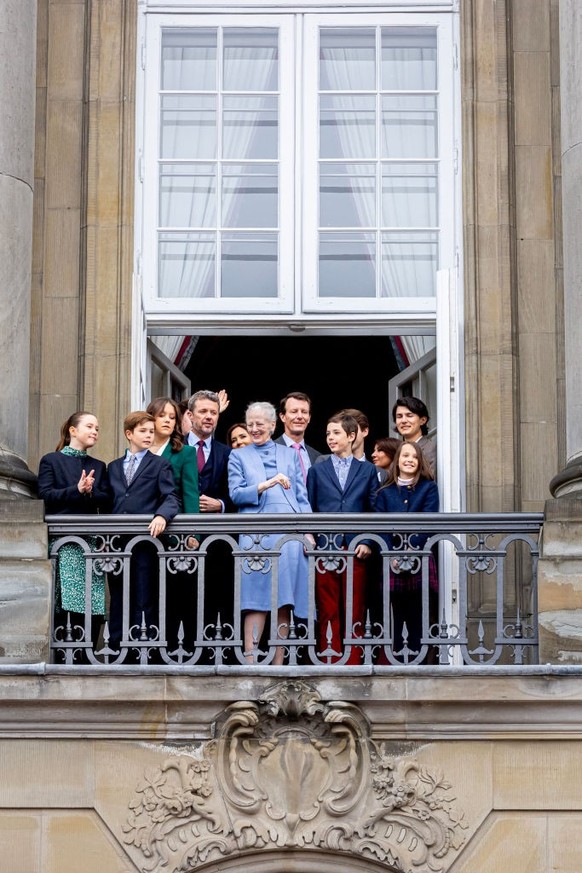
(331, 602)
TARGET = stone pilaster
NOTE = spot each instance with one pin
(17, 95)
(569, 481)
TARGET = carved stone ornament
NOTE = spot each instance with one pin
(292, 772)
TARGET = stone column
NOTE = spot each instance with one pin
(560, 567)
(569, 481)
(17, 103)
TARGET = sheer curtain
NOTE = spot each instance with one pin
(189, 190)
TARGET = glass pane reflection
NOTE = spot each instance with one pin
(189, 59)
(251, 59)
(187, 265)
(250, 195)
(249, 265)
(188, 195)
(409, 59)
(409, 265)
(347, 265)
(347, 59)
(188, 126)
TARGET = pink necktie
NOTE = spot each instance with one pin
(200, 455)
(297, 447)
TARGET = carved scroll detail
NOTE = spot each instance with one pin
(290, 771)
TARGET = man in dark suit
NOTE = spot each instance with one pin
(295, 413)
(204, 409)
(341, 483)
(141, 483)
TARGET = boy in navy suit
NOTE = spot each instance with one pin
(141, 483)
(341, 483)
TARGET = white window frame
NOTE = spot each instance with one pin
(400, 307)
(149, 172)
(298, 264)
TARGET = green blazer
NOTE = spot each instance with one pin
(185, 470)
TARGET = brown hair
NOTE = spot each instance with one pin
(347, 422)
(361, 417)
(132, 420)
(156, 407)
(388, 445)
(73, 420)
(424, 471)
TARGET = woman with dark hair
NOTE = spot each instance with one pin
(410, 488)
(384, 450)
(72, 483)
(169, 444)
(238, 436)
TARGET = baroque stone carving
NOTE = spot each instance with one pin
(291, 771)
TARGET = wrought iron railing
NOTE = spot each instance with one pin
(484, 613)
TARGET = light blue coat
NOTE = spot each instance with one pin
(245, 471)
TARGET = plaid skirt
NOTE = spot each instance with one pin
(411, 580)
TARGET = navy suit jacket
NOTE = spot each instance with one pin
(325, 493)
(422, 497)
(213, 479)
(152, 489)
(58, 477)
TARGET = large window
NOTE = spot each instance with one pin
(298, 163)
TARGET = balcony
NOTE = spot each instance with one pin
(485, 613)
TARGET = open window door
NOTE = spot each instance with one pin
(436, 378)
(164, 378)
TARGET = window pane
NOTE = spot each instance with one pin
(188, 126)
(347, 59)
(250, 59)
(189, 59)
(409, 195)
(347, 265)
(188, 195)
(409, 59)
(187, 265)
(249, 265)
(347, 195)
(250, 195)
(347, 124)
(409, 127)
(409, 265)
(250, 127)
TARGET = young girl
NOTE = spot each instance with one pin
(72, 483)
(168, 443)
(410, 488)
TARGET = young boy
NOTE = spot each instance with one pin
(340, 483)
(141, 483)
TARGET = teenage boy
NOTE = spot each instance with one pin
(141, 483)
(410, 416)
(340, 483)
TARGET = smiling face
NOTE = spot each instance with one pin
(340, 443)
(408, 462)
(296, 417)
(259, 427)
(85, 434)
(165, 422)
(239, 436)
(409, 424)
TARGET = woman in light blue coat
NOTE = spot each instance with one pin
(267, 477)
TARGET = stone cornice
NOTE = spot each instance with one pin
(172, 705)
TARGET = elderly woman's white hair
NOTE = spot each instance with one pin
(264, 408)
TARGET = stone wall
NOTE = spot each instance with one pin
(459, 773)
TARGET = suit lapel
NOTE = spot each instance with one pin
(354, 472)
(145, 461)
(331, 474)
